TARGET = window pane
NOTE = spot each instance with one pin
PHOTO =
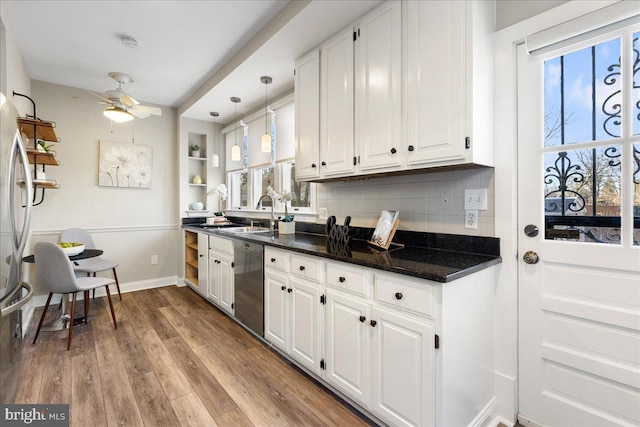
(300, 191)
(582, 100)
(266, 178)
(636, 194)
(582, 195)
(635, 64)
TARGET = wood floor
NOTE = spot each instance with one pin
(175, 360)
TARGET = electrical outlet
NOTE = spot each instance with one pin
(446, 202)
(323, 214)
(471, 219)
(475, 199)
(154, 259)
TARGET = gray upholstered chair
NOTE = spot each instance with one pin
(91, 265)
(55, 274)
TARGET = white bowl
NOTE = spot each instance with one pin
(75, 250)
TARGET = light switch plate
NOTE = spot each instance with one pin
(475, 199)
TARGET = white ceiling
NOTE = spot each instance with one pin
(183, 44)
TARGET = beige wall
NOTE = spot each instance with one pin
(130, 225)
(13, 71)
(509, 12)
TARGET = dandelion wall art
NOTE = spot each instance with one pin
(125, 165)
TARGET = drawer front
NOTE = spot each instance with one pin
(310, 268)
(351, 279)
(276, 259)
(408, 295)
(219, 244)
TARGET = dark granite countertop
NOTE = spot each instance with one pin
(433, 256)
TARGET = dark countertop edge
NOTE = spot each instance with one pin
(407, 272)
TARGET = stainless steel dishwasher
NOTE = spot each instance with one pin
(248, 282)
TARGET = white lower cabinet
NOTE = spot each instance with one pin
(292, 315)
(221, 278)
(403, 368)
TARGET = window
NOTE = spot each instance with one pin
(300, 191)
(589, 143)
(238, 190)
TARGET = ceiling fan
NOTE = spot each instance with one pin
(121, 106)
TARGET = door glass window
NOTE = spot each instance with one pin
(587, 141)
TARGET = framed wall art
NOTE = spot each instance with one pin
(125, 165)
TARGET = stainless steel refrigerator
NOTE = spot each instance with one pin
(16, 198)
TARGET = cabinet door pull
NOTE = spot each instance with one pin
(362, 319)
(394, 151)
(411, 148)
(289, 290)
(302, 268)
(342, 279)
(323, 163)
(273, 260)
(373, 323)
(283, 287)
(200, 255)
(398, 295)
(313, 165)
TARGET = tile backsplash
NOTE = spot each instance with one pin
(419, 198)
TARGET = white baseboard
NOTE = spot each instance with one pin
(499, 421)
(507, 393)
(486, 415)
(41, 300)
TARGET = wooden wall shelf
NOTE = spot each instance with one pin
(42, 158)
(38, 129)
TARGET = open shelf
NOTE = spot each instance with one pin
(200, 159)
(192, 246)
(52, 185)
(42, 158)
(38, 129)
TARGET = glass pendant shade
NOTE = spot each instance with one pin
(266, 143)
(117, 114)
(215, 161)
(235, 153)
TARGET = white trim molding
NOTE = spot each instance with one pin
(127, 229)
(486, 415)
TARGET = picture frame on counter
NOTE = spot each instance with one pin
(385, 229)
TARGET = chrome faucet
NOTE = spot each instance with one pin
(259, 205)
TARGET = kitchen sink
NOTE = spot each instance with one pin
(238, 230)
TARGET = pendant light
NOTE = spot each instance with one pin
(266, 138)
(215, 160)
(235, 150)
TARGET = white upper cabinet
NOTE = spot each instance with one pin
(378, 92)
(448, 82)
(336, 105)
(307, 99)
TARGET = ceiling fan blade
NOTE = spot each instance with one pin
(128, 100)
(99, 95)
(156, 111)
(138, 114)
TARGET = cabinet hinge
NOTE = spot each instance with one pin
(437, 342)
(467, 142)
(322, 365)
(294, 71)
(358, 159)
(354, 36)
(232, 306)
(322, 300)
(233, 264)
(354, 161)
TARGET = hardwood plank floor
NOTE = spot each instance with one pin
(175, 360)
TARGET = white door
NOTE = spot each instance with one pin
(305, 323)
(378, 101)
(579, 304)
(348, 345)
(226, 283)
(403, 369)
(336, 105)
(276, 310)
(203, 265)
(213, 287)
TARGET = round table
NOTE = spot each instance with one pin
(62, 322)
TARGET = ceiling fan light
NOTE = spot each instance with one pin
(266, 143)
(117, 114)
(235, 153)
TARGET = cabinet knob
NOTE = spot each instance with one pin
(273, 260)
(394, 151)
(201, 255)
(342, 279)
(302, 268)
(373, 323)
(362, 319)
(289, 290)
(313, 165)
(283, 287)
(323, 163)
(398, 295)
(411, 148)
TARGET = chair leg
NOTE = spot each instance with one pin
(86, 307)
(117, 283)
(71, 319)
(113, 314)
(44, 313)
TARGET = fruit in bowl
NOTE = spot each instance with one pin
(71, 248)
